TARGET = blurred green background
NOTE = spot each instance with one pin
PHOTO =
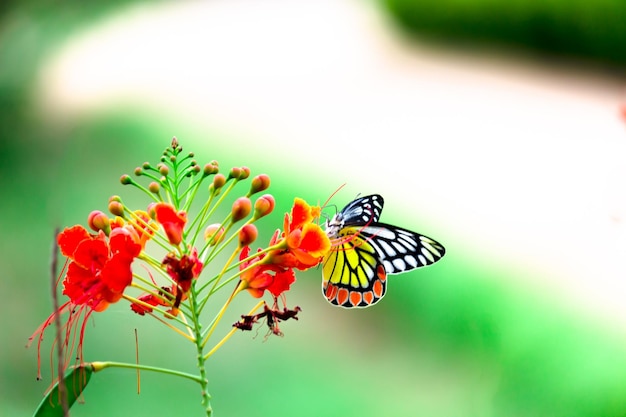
(475, 335)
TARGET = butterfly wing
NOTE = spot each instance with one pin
(363, 210)
(365, 251)
(353, 273)
(401, 250)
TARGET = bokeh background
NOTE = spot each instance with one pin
(491, 126)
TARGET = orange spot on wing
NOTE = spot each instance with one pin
(331, 292)
(381, 273)
(368, 297)
(355, 298)
(378, 289)
(342, 296)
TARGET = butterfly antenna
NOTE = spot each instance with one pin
(333, 194)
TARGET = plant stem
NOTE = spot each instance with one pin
(97, 366)
(197, 332)
(232, 332)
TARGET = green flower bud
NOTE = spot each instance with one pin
(126, 179)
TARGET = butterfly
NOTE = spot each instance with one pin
(365, 251)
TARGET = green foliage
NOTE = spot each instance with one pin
(75, 382)
(587, 30)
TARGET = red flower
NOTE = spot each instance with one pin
(261, 277)
(153, 300)
(97, 275)
(173, 222)
(99, 271)
(183, 271)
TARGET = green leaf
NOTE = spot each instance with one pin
(75, 382)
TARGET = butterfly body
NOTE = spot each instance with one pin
(365, 251)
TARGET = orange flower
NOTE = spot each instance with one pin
(304, 243)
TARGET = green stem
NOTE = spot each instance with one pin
(97, 366)
(197, 332)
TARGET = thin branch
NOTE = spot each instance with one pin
(57, 325)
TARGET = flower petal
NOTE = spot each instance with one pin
(69, 239)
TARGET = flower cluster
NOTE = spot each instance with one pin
(112, 262)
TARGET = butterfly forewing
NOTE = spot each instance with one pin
(363, 210)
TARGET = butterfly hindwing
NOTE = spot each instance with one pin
(401, 250)
(365, 251)
(354, 275)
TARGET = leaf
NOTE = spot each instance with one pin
(75, 382)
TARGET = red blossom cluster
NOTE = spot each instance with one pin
(302, 245)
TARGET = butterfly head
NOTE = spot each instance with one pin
(334, 225)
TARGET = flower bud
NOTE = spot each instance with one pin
(146, 165)
(125, 179)
(116, 208)
(245, 173)
(151, 210)
(218, 182)
(263, 206)
(163, 169)
(138, 171)
(241, 208)
(97, 221)
(214, 234)
(210, 169)
(154, 187)
(247, 235)
(235, 172)
(259, 183)
(174, 143)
